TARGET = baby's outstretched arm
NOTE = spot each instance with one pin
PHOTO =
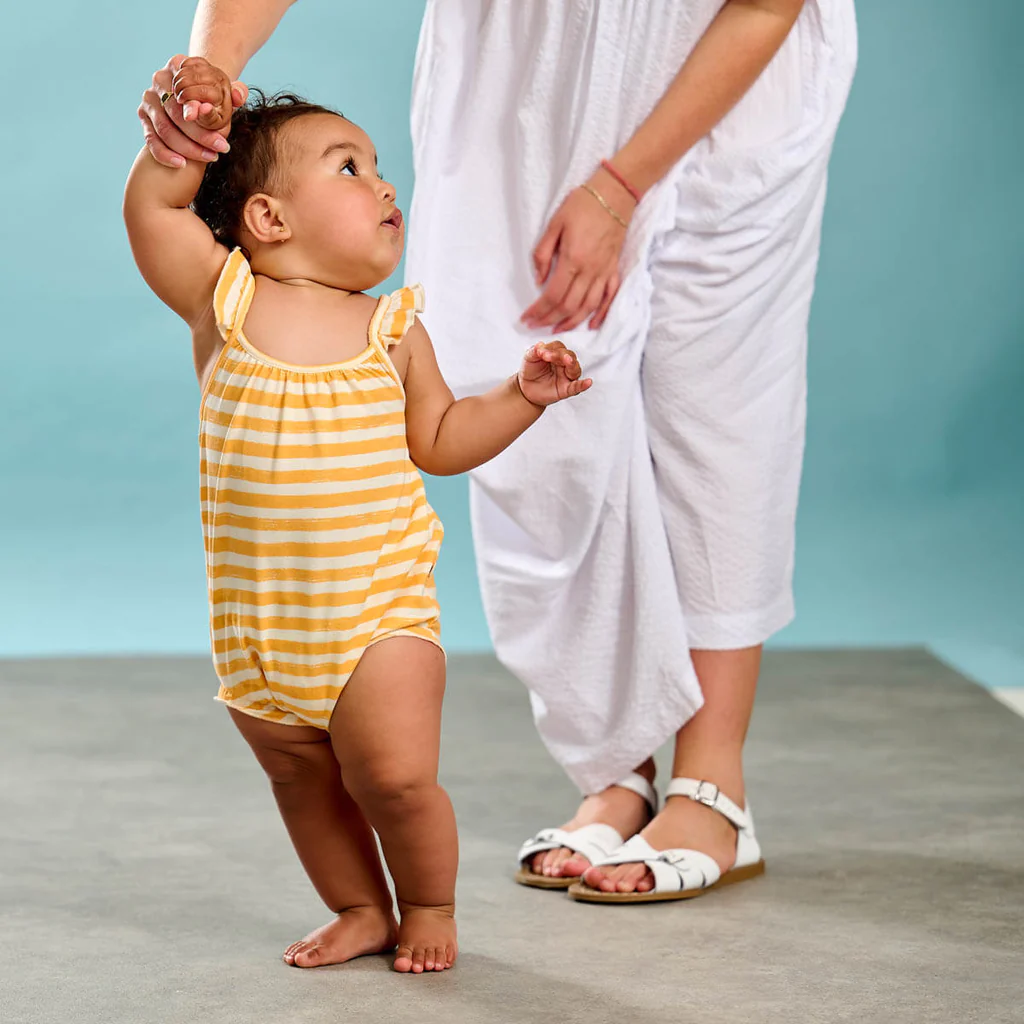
(175, 251)
(448, 437)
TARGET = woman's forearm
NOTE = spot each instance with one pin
(737, 46)
(228, 32)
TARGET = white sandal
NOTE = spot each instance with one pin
(595, 842)
(682, 874)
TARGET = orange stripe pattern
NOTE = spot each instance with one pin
(319, 537)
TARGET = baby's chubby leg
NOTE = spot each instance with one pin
(386, 732)
(332, 839)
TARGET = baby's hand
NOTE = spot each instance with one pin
(204, 92)
(551, 372)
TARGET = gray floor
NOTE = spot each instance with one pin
(145, 877)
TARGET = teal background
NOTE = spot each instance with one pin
(912, 522)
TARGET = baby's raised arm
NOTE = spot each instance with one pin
(174, 249)
(448, 436)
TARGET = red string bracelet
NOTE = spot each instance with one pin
(621, 180)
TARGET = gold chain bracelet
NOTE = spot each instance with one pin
(601, 199)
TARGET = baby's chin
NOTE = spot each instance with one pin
(362, 275)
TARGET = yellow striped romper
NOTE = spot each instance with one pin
(319, 538)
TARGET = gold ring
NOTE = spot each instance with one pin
(164, 97)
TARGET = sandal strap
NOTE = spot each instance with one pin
(636, 783)
(703, 792)
(673, 870)
(593, 841)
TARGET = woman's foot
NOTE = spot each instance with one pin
(360, 931)
(624, 810)
(682, 823)
(426, 940)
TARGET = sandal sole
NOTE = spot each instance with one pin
(585, 894)
(535, 881)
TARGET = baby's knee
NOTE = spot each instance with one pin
(390, 789)
(298, 765)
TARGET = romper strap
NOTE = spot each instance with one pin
(233, 295)
(398, 314)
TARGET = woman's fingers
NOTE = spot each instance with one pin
(156, 118)
(570, 303)
(161, 153)
(591, 301)
(611, 289)
(545, 250)
(555, 291)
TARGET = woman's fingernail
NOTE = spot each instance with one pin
(179, 161)
(221, 145)
(209, 155)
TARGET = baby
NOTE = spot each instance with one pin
(320, 404)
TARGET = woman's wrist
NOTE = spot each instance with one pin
(642, 173)
(613, 193)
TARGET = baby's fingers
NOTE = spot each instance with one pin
(552, 351)
(568, 363)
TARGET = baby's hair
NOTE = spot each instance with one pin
(251, 165)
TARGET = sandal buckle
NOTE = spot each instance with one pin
(707, 794)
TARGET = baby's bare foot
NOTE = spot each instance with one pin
(360, 931)
(426, 940)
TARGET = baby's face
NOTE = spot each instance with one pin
(339, 208)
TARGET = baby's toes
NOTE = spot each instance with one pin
(308, 957)
(403, 959)
(418, 956)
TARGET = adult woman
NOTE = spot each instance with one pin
(657, 536)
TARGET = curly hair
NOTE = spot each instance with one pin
(251, 164)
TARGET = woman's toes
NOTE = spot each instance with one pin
(575, 864)
(550, 860)
(403, 960)
(630, 877)
(646, 884)
(537, 864)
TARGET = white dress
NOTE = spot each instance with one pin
(656, 513)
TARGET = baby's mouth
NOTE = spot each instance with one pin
(395, 220)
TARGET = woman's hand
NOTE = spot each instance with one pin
(582, 244)
(550, 372)
(188, 125)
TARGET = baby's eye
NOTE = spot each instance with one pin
(350, 167)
